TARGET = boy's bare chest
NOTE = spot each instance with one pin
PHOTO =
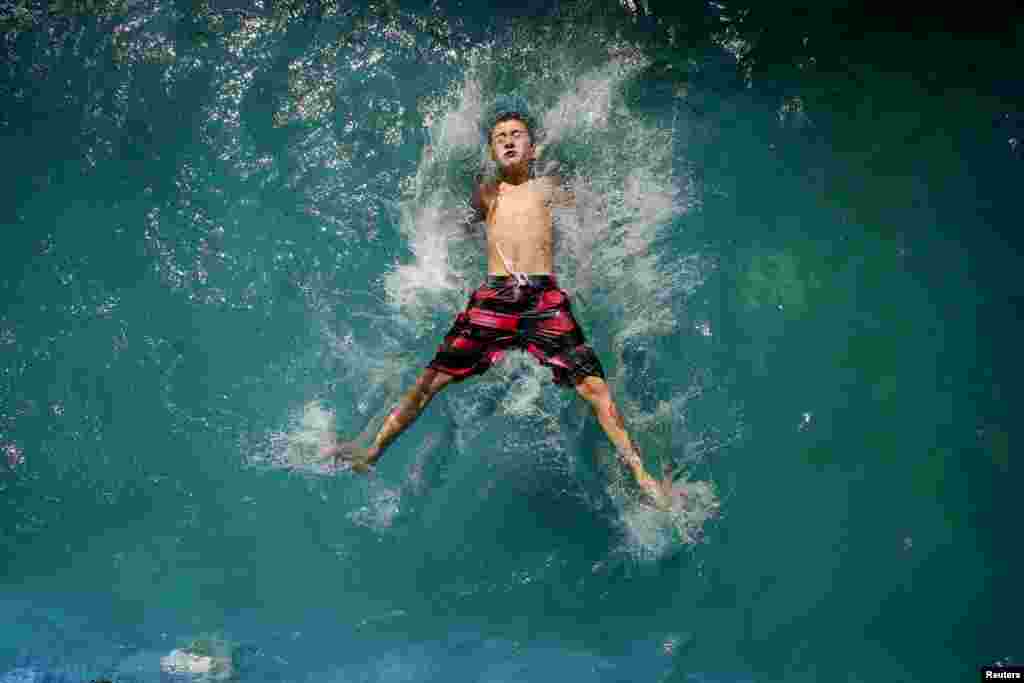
(518, 202)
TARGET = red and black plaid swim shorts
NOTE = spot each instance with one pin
(535, 317)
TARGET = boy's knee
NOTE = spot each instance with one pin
(593, 390)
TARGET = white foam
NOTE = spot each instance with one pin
(297, 445)
(525, 378)
(651, 534)
(587, 102)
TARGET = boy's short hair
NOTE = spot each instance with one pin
(511, 116)
(507, 108)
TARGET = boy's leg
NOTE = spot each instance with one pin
(594, 390)
(408, 409)
(404, 414)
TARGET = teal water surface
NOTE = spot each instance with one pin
(228, 229)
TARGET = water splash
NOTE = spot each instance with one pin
(651, 533)
(297, 446)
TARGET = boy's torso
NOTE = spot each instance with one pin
(519, 225)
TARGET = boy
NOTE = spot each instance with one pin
(519, 306)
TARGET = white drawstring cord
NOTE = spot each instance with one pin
(521, 279)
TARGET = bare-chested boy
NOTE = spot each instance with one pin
(519, 307)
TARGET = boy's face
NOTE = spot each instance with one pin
(511, 145)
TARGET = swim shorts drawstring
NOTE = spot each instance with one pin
(521, 279)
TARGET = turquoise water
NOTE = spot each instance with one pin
(229, 230)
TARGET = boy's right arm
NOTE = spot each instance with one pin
(479, 202)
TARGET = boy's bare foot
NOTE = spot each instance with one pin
(654, 498)
(656, 493)
(357, 457)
